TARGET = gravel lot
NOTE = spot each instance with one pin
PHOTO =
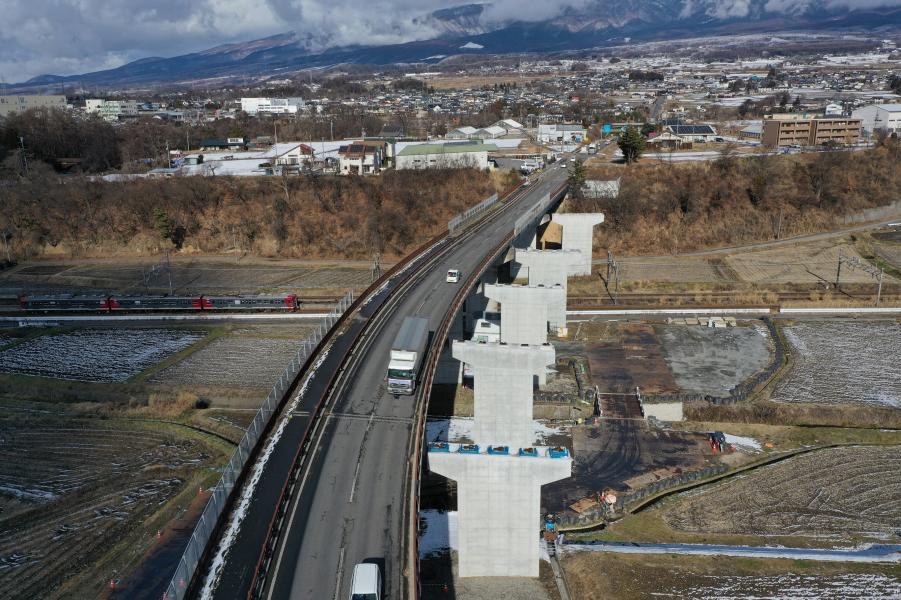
(708, 360)
(844, 363)
(95, 355)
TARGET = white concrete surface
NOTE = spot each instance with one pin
(549, 268)
(578, 234)
(499, 509)
(524, 310)
(503, 382)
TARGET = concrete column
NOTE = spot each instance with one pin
(499, 509)
(524, 310)
(548, 268)
(503, 376)
(578, 234)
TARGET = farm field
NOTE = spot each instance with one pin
(95, 355)
(592, 575)
(810, 262)
(81, 499)
(841, 494)
(192, 275)
(829, 360)
(246, 357)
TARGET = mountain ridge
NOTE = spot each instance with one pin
(471, 29)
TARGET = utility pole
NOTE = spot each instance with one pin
(838, 272)
(24, 158)
(235, 242)
(331, 128)
(169, 272)
(376, 267)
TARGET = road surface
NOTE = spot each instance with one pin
(351, 498)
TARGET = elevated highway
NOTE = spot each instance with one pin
(347, 501)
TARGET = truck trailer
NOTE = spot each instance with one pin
(406, 356)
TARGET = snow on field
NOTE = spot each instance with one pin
(459, 428)
(438, 532)
(790, 586)
(95, 355)
(843, 363)
(745, 443)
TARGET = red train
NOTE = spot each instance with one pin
(106, 303)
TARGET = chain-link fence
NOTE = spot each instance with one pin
(458, 223)
(216, 505)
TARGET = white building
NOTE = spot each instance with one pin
(12, 104)
(111, 110)
(879, 117)
(833, 110)
(453, 155)
(549, 133)
(272, 106)
(364, 157)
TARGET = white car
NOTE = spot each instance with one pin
(366, 583)
(453, 276)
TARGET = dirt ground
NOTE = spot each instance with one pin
(604, 576)
(846, 494)
(81, 499)
(708, 360)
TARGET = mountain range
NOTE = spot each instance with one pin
(476, 29)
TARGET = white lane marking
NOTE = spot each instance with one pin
(340, 574)
(353, 487)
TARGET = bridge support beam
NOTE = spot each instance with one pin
(524, 310)
(578, 234)
(503, 384)
(499, 508)
(549, 268)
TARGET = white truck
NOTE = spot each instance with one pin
(406, 356)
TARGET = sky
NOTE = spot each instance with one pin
(64, 37)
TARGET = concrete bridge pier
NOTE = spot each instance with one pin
(499, 508)
(549, 268)
(578, 234)
(503, 385)
(524, 310)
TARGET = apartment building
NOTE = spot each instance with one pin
(793, 130)
(14, 104)
(111, 110)
(272, 106)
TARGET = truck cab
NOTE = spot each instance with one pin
(406, 356)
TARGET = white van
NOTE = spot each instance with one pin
(453, 276)
(366, 583)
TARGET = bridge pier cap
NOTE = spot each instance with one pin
(578, 234)
(524, 310)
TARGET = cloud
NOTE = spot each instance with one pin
(64, 37)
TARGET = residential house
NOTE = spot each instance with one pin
(362, 157)
(223, 144)
(693, 133)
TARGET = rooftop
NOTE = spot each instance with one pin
(449, 148)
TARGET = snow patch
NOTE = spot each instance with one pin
(27, 495)
(471, 46)
(234, 525)
(437, 532)
(460, 428)
(745, 443)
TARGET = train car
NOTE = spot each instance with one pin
(65, 302)
(286, 302)
(155, 303)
